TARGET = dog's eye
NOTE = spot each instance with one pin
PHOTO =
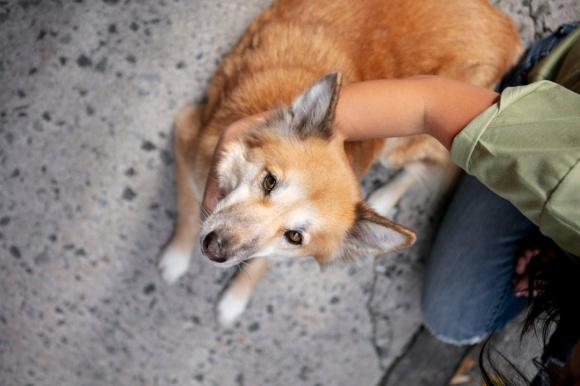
(269, 182)
(293, 237)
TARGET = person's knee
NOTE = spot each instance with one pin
(467, 290)
(451, 320)
(453, 317)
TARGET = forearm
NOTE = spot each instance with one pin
(402, 107)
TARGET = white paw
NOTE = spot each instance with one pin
(230, 307)
(173, 264)
(382, 202)
(375, 201)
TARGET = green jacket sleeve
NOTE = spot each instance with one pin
(526, 148)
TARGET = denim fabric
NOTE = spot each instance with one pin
(468, 291)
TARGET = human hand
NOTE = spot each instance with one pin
(522, 278)
(531, 259)
(212, 193)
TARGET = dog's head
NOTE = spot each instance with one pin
(290, 191)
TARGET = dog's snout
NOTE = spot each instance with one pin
(214, 247)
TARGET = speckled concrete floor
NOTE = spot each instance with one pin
(87, 93)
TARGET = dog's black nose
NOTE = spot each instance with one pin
(214, 247)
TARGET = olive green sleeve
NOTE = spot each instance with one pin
(526, 148)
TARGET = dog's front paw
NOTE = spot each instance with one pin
(173, 264)
(230, 307)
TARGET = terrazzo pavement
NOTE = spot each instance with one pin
(87, 94)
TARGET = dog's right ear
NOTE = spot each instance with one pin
(370, 235)
(313, 111)
(373, 234)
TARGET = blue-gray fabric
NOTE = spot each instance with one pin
(468, 291)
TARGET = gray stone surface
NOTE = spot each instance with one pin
(87, 93)
(436, 360)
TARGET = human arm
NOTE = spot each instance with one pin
(430, 105)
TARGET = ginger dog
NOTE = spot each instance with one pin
(290, 187)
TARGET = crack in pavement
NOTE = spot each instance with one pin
(374, 318)
(383, 381)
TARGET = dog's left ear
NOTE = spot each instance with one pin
(373, 234)
(313, 111)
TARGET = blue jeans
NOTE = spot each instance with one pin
(468, 291)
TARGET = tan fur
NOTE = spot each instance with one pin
(321, 176)
(294, 42)
(243, 284)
